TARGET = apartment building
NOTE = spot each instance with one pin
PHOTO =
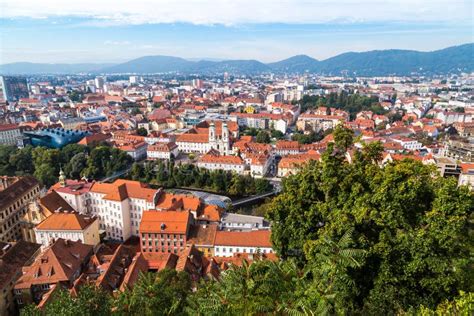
(214, 161)
(15, 195)
(118, 205)
(13, 256)
(68, 225)
(162, 151)
(58, 265)
(164, 231)
(10, 134)
(229, 243)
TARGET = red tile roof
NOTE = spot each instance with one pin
(170, 222)
(259, 238)
(66, 221)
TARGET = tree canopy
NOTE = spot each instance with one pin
(75, 160)
(410, 229)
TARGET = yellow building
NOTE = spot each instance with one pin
(202, 237)
(39, 210)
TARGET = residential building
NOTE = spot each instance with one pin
(136, 150)
(240, 222)
(291, 164)
(287, 147)
(60, 264)
(13, 88)
(227, 244)
(15, 196)
(459, 149)
(164, 231)
(39, 210)
(467, 175)
(68, 225)
(162, 151)
(10, 134)
(13, 256)
(118, 205)
(408, 143)
(202, 237)
(214, 161)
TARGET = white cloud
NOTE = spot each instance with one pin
(117, 43)
(231, 12)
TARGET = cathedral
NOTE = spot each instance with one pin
(208, 135)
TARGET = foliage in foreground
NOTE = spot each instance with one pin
(411, 234)
(262, 288)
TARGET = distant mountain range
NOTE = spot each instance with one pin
(372, 63)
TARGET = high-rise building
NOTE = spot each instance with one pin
(13, 88)
(99, 82)
(134, 79)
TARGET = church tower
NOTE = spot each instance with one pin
(225, 138)
(212, 135)
(62, 178)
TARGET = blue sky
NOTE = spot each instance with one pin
(112, 31)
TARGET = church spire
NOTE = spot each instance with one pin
(62, 178)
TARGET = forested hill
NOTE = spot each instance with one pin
(372, 63)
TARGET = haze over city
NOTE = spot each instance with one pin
(116, 31)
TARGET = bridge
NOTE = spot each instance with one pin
(254, 198)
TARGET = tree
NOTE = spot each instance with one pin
(21, 160)
(343, 138)
(136, 172)
(45, 174)
(89, 301)
(5, 153)
(142, 131)
(260, 288)
(411, 224)
(263, 137)
(162, 293)
(237, 186)
(75, 166)
(277, 134)
(262, 186)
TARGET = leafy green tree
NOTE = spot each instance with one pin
(46, 174)
(21, 160)
(5, 153)
(411, 224)
(260, 288)
(263, 137)
(136, 173)
(277, 134)
(75, 166)
(461, 305)
(237, 186)
(89, 301)
(262, 186)
(142, 131)
(162, 293)
(343, 138)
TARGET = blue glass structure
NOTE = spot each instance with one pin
(55, 137)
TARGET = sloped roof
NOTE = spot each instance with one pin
(258, 238)
(58, 263)
(66, 221)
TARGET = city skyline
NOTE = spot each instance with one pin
(116, 32)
